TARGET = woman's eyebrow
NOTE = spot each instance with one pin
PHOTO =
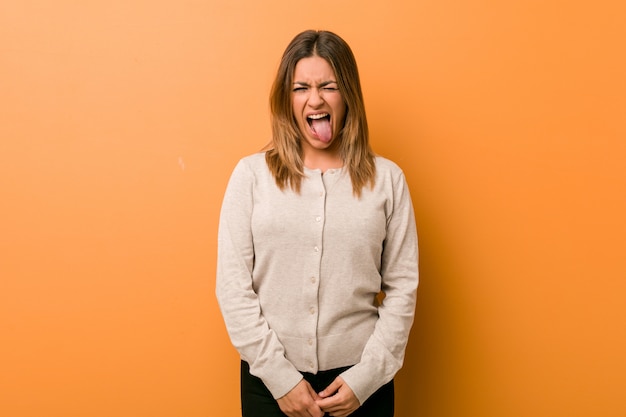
(322, 84)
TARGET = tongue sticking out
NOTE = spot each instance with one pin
(321, 128)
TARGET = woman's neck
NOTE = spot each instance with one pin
(323, 160)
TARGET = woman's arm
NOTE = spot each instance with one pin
(383, 354)
(248, 330)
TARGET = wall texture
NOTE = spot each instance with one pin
(120, 122)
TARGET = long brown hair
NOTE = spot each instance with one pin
(284, 158)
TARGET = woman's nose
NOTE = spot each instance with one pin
(315, 99)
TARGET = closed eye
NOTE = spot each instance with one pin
(329, 85)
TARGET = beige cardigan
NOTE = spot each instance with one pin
(297, 275)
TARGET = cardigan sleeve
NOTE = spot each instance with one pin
(248, 330)
(383, 354)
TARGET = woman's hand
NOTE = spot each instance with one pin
(301, 401)
(338, 399)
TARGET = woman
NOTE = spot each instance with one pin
(313, 233)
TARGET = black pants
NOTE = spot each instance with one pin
(257, 401)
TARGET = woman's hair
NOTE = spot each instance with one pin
(284, 158)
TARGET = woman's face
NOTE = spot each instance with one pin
(318, 106)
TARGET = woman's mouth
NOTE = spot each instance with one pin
(320, 126)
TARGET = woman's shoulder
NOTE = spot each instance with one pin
(249, 167)
(253, 162)
(386, 166)
(253, 159)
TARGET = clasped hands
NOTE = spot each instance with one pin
(337, 399)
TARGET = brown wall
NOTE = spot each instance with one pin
(120, 122)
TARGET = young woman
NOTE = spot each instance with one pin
(313, 232)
